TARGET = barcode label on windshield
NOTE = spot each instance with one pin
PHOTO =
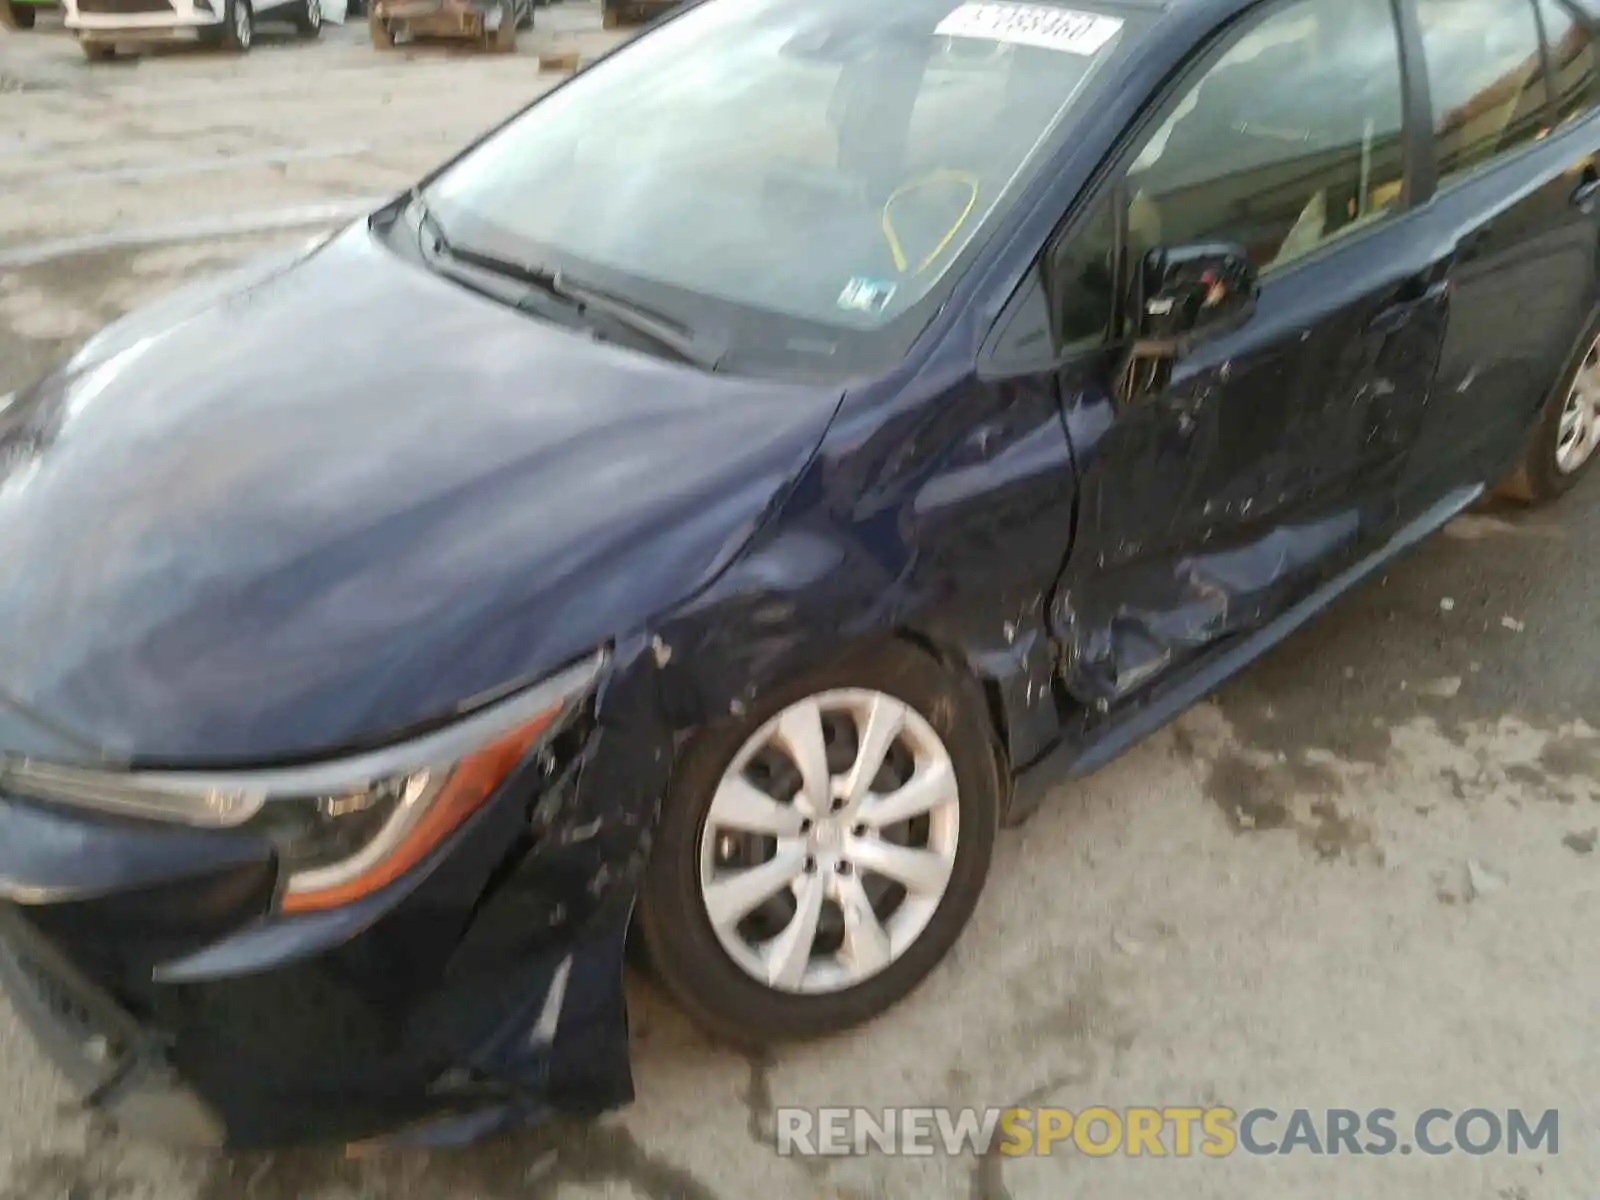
(1042, 25)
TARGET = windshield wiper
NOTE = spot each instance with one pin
(584, 298)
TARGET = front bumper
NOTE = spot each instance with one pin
(141, 20)
(483, 990)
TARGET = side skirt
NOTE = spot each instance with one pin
(1083, 753)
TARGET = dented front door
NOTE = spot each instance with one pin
(1269, 459)
(1225, 487)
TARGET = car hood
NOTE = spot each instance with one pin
(350, 498)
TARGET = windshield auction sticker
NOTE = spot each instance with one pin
(1043, 25)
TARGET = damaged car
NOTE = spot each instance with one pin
(704, 512)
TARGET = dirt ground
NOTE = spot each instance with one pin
(1365, 876)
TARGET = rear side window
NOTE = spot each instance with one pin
(1573, 73)
(1291, 140)
(1486, 73)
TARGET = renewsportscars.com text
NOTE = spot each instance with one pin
(1169, 1131)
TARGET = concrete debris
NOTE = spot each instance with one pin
(1130, 946)
(1482, 881)
(1512, 624)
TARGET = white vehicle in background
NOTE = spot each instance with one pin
(101, 26)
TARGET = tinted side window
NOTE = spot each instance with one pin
(1487, 79)
(1292, 139)
(1573, 70)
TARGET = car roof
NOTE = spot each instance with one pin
(1214, 9)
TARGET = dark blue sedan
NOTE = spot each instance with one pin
(713, 505)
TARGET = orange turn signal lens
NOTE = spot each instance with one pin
(463, 792)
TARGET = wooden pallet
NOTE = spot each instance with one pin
(626, 13)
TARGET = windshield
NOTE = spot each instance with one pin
(808, 175)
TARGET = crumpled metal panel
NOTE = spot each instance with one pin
(1157, 614)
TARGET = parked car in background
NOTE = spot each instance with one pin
(102, 26)
(711, 506)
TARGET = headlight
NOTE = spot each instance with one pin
(344, 829)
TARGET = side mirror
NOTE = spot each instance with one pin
(1189, 293)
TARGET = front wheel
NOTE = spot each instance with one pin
(238, 26)
(1564, 442)
(308, 20)
(818, 858)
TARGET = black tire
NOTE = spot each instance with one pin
(23, 16)
(238, 34)
(678, 939)
(1539, 478)
(308, 19)
(524, 15)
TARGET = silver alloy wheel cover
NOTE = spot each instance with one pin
(1579, 434)
(787, 962)
(242, 28)
(314, 13)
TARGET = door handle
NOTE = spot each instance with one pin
(1411, 300)
(1587, 194)
(1472, 245)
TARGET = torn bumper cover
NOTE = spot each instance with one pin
(481, 991)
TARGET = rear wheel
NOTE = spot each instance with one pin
(817, 859)
(1565, 441)
(21, 16)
